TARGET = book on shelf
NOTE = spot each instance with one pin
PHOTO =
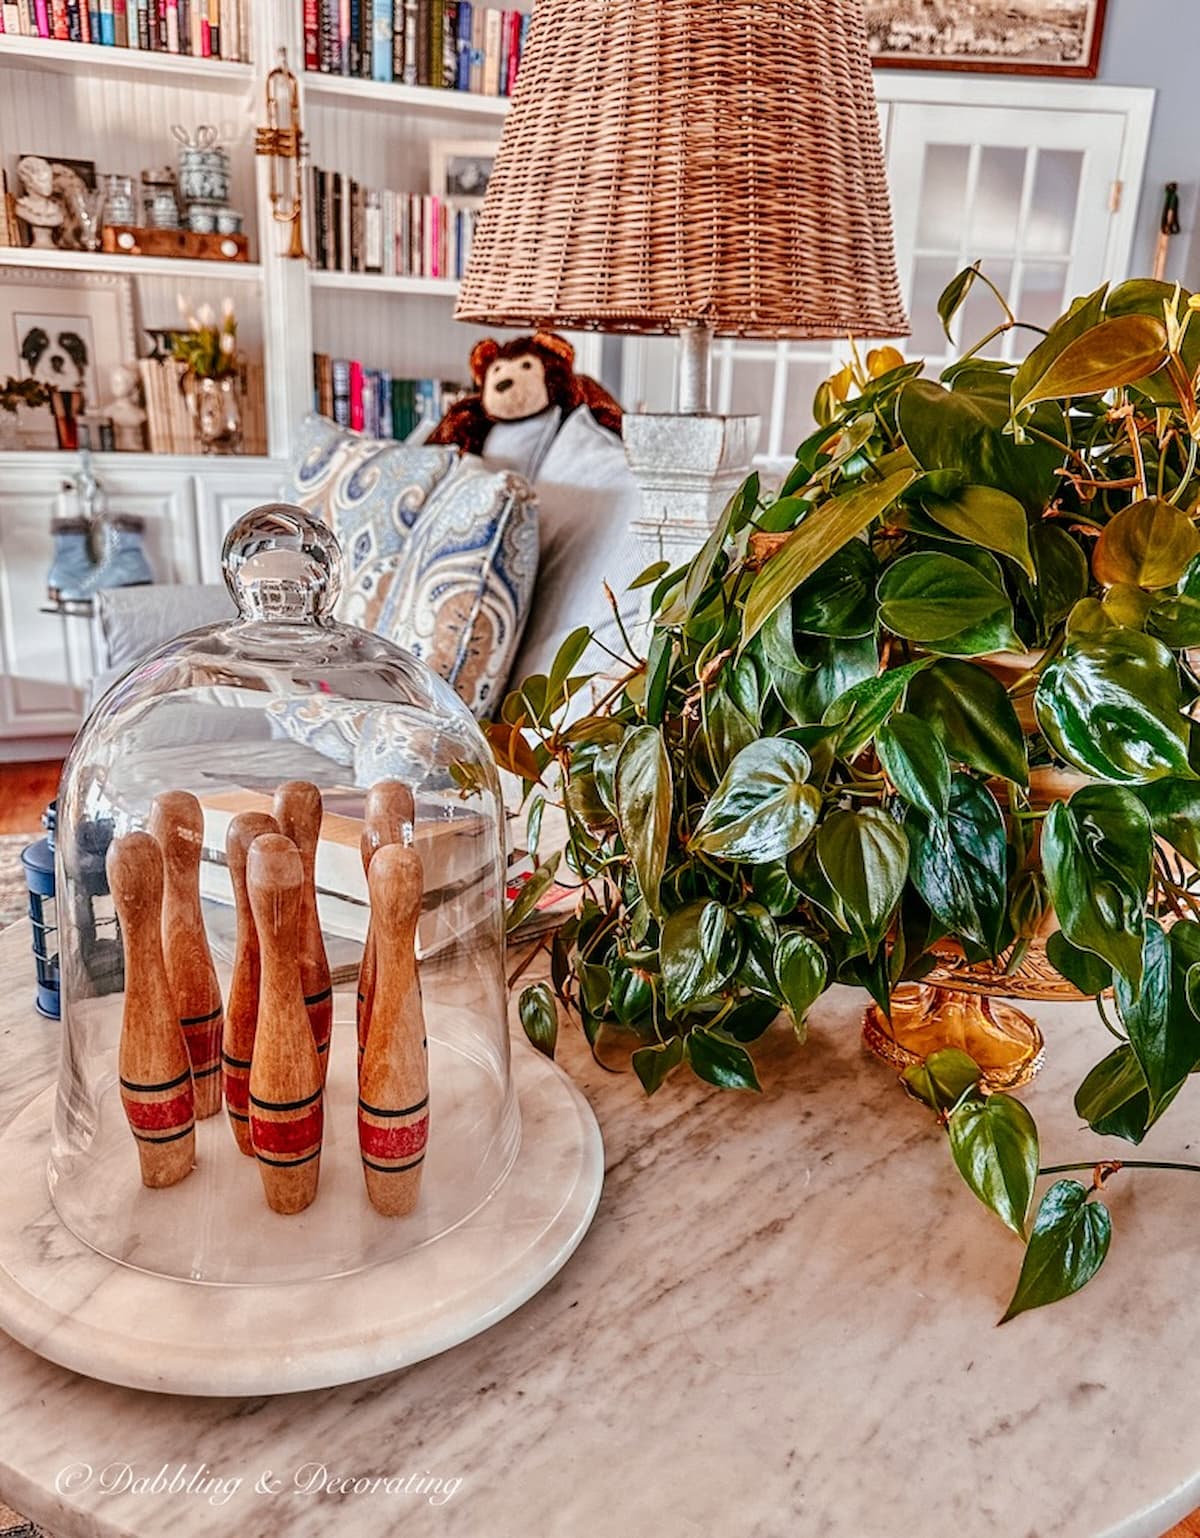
(200, 28)
(396, 234)
(373, 401)
(169, 425)
(456, 45)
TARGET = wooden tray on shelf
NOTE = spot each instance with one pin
(131, 240)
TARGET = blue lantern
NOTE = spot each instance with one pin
(38, 860)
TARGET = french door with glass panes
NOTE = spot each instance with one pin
(1039, 180)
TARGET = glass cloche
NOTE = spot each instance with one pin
(281, 884)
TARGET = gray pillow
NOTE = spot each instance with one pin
(587, 500)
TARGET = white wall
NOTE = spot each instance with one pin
(1157, 43)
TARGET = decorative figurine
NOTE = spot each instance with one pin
(388, 819)
(298, 813)
(287, 1115)
(128, 418)
(241, 1012)
(177, 823)
(156, 1082)
(393, 1091)
(37, 205)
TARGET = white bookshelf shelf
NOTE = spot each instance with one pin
(94, 59)
(132, 266)
(381, 283)
(402, 98)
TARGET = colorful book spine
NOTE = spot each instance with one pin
(341, 392)
(327, 12)
(491, 53)
(477, 41)
(214, 28)
(356, 397)
(435, 42)
(398, 40)
(381, 40)
(172, 26)
(508, 83)
(411, 65)
(120, 23)
(449, 44)
(354, 43)
(143, 24)
(341, 63)
(312, 34)
(42, 16)
(462, 57)
(58, 20)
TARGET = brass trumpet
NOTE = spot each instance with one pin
(285, 143)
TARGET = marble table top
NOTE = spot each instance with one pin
(782, 1322)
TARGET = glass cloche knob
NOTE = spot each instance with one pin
(282, 565)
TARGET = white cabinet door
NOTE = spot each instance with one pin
(41, 687)
(1035, 196)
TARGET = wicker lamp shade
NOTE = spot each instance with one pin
(669, 163)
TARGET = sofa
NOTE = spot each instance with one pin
(479, 566)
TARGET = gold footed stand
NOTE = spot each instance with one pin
(1005, 1042)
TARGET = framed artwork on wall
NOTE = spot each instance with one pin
(64, 329)
(459, 169)
(1016, 37)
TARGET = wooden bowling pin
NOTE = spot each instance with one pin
(241, 1012)
(156, 1079)
(387, 819)
(177, 824)
(287, 1114)
(393, 1090)
(298, 813)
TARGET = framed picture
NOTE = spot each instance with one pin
(460, 169)
(1016, 37)
(66, 329)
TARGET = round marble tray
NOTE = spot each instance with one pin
(74, 1306)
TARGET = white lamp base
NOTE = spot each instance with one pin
(687, 468)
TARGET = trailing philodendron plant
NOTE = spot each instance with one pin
(821, 770)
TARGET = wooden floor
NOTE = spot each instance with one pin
(25, 791)
(1188, 1528)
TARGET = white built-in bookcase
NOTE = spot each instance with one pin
(116, 106)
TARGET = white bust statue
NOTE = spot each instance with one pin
(128, 418)
(36, 205)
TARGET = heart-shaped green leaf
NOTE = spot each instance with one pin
(1174, 807)
(1067, 1247)
(763, 808)
(1113, 1099)
(720, 1062)
(862, 710)
(653, 1064)
(1162, 1030)
(693, 957)
(642, 781)
(915, 761)
(1148, 544)
(947, 605)
(1110, 706)
(864, 857)
(1113, 353)
(973, 716)
(959, 864)
(995, 1146)
(942, 1079)
(1097, 853)
(539, 1017)
(985, 516)
(801, 970)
